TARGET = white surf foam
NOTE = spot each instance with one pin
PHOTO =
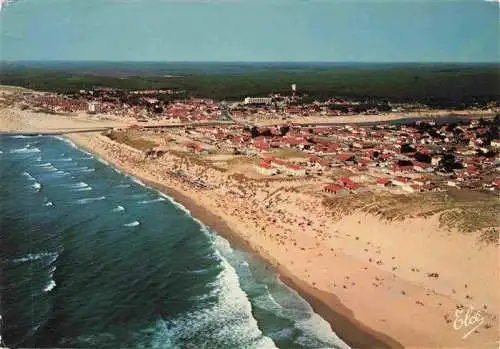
(45, 164)
(25, 150)
(103, 161)
(118, 209)
(48, 167)
(50, 286)
(138, 181)
(83, 189)
(89, 200)
(180, 206)
(21, 136)
(84, 169)
(77, 185)
(315, 327)
(132, 224)
(66, 140)
(37, 256)
(63, 160)
(144, 202)
(29, 176)
(229, 319)
(37, 186)
(122, 186)
(60, 173)
(316, 332)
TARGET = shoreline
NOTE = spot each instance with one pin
(366, 276)
(328, 306)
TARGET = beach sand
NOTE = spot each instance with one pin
(369, 278)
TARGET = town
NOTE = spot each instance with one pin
(343, 159)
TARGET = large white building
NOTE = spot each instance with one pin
(257, 100)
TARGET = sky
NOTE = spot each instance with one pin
(251, 30)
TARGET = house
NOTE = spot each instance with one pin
(345, 157)
(401, 181)
(344, 181)
(411, 188)
(383, 182)
(421, 166)
(353, 186)
(399, 170)
(278, 163)
(295, 170)
(334, 189)
(265, 168)
(261, 144)
(194, 148)
(435, 159)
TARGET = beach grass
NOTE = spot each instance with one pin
(457, 211)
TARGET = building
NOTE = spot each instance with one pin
(295, 170)
(257, 100)
(195, 148)
(94, 107)
(333, 188)
(383, 182)
(265, 168)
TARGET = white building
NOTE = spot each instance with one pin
(94, 107)
(257, 100)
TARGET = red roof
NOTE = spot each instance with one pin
(265, 164)
(294, 167)
(345, 156)
(383, 181)
(193, 146)
(345, 181)
(333, 188)
(421, 164)
(352, 186)
(278, 161)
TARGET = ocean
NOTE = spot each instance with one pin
(93, 258)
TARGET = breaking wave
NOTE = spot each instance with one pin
(25, 150)
(51, 256)
(89, 200)
(29, 176)
(132, 224)
(118, 209)
(64, 160)
(37, 186)
(122, 186)
(143, 202)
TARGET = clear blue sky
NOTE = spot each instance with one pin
(251, 30)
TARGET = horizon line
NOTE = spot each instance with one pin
(256, 61)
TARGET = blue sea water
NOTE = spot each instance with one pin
(91, 258)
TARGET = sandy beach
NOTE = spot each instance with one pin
(380, 284)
